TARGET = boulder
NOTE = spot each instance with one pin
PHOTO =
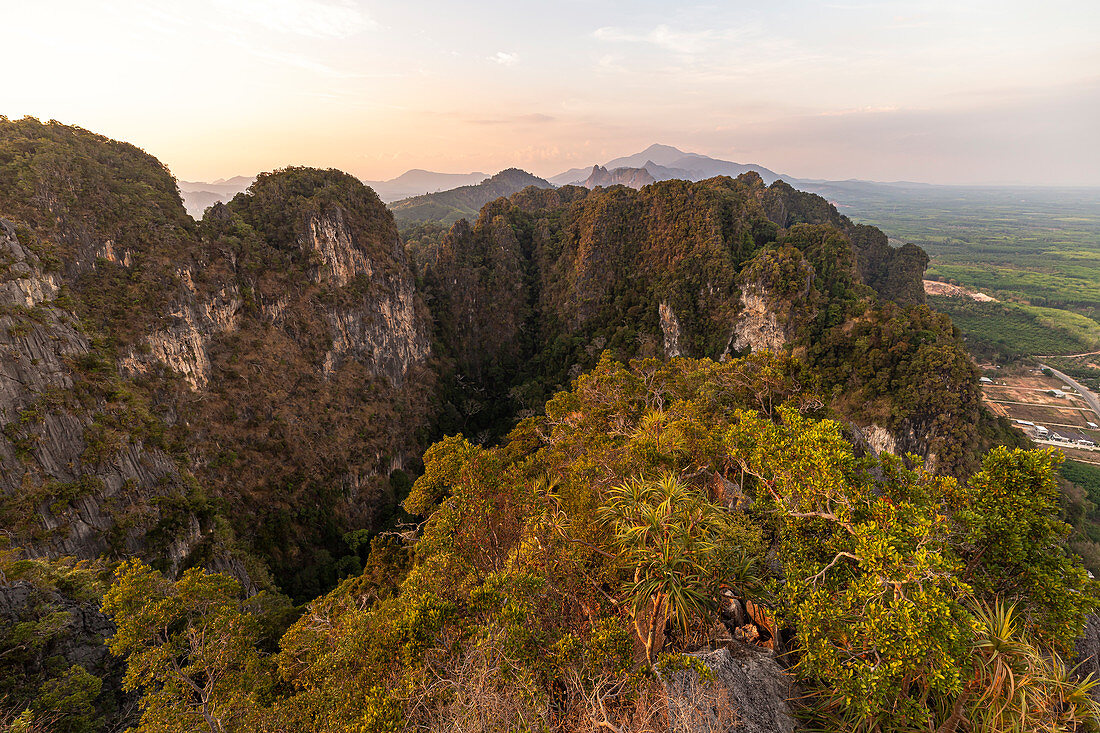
(749, 693)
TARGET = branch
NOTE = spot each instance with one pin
(836, 559)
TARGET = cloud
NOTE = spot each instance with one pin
(312, 18)
(670, 39)
(505, 59)
(534, 118)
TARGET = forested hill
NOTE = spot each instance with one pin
(531, 294)
(235, 392)
(464, 202)
(688, 416)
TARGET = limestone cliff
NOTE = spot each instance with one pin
(670, 329)
(632, 177)
(777, 300)
(237, 389)
(81, 473)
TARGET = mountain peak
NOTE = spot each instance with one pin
(659, 149)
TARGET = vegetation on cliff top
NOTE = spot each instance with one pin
(558, 574)
(527, 298)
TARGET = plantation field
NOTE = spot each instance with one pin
(1037, 250)
(1007, 331)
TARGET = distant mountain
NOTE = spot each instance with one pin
(417, 182)
(200, 195)
(447, 207)
(665, 162)
(665, 155)
(573, 175)
(223, 186)
(197, 202)
(632, 177)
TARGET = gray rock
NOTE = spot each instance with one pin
(750, 693)
(39, 339)
(1088, 652)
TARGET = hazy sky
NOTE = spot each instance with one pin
(952, 91)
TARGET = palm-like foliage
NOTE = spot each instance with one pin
(1017, 686)
(682, 548)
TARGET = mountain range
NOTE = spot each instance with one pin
(665, 162)
(655, 163)
(464, 202)
(302, 472)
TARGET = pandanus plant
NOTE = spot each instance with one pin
(683, 549)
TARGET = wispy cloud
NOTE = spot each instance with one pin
(312, 18)
(505, 59)
(670, 39)
(534, 118)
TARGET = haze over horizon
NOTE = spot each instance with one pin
(989, 93)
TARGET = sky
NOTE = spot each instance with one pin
(951, 91)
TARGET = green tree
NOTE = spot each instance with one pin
(190, 646)
(681, 548)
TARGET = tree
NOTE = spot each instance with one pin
(680, 546)
(190, 645)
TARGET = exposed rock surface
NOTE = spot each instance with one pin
(879, 439)
(750, 693)
(387, 333)
(1088, 652)
(632, 177)
(60, 497)
(777, 299)
(384, 329)
(670, 328)
(183, 346)
(758, 327)
(78, 639)
(341, 256)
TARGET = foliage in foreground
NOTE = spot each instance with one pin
(555, 575)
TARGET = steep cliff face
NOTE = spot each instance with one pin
(388, 334)
(183, 346)
(632, 177)
(200, 393)
(81, 476)
(319, 381)
(670, 329)
(385, 329)
(778, 300)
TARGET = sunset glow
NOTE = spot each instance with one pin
(944, 92)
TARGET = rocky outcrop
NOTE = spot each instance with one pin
(879, 439)
(758, 327)
(777, 299)
(69, 475)
(341, 258)
(74, 636)
(632, 177)
(1088, 653)
(183, 345)
(387, 333)
(749, 693)
(670, 329)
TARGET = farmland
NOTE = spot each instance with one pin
(1036, 250)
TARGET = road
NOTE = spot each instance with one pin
(1084, 391)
